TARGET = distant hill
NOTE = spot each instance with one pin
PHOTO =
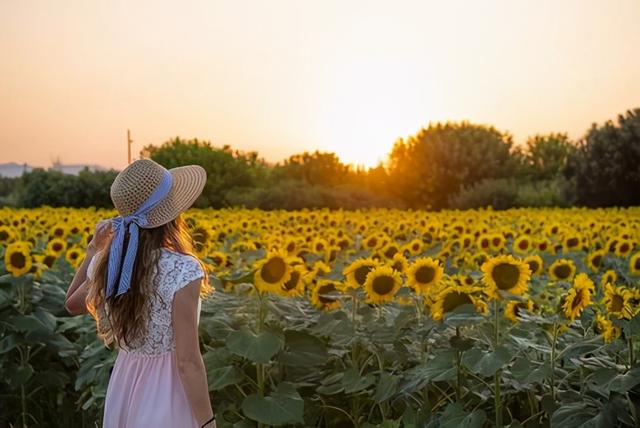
(13, 169)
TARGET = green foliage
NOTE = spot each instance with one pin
(604, 168)
(504, 193)
(7, 186)
(445, 165)
(546, 156)
(440, 160)
(53, 370)
(317, 168)
(56, 189)
(228, 171)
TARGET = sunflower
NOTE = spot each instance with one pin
(390, 250)
(319, 245)
(382, 284)
(48, 259)
(450, 298)
(609, 276)
(624, 247)
(356, 272)
(74, 256)
(535, 262)
(609, 331)
(331, 253)
(497, 241)
(505, 273)
(295, 285)
(578, 297)
(479, 258)
(571, 242)
(399, 262)
(414, 247)
(319, 268)
(513, 308)
(634, 264)
(57, 246)
(38, 265)
(562, 270)
(481, 306)
(291, 245)
(424, 274)
(594, 259)
(462, 279)
(372, 242)
(404, 300)
(6, 234)
(617, 301)
(323, 295)
(544, 246)
(17, 258)
(220, 259)
(484, 243)
(59, 231)
(522, 244)
(272, 272)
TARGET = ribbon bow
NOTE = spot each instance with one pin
(120, 270)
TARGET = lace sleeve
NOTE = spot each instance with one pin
(190, 269)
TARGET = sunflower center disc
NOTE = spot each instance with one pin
(383, 284)
(273, 270)
(425, 274)
(506, 276)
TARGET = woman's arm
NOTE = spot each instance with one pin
(190, 365)
(75, 301)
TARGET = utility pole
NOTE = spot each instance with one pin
(129, 142)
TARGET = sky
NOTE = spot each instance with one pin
(284, 76)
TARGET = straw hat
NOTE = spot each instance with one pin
(133, 185)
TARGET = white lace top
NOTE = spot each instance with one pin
(174, 271)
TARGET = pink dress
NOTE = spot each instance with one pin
(145, 389)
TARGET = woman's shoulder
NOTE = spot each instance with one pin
(168, 252)
(188, 266)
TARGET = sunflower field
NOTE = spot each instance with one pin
(369, 318)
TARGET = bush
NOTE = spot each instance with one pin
(504, 193)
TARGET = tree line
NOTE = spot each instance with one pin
(454, 165)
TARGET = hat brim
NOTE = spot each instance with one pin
(188, 183)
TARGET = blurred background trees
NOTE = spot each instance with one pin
(445, 165)
(605, 168)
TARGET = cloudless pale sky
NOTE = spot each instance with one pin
(284, 76)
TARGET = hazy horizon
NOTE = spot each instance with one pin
(283, 77)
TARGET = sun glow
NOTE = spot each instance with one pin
(368, 103)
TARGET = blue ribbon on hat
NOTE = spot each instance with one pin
(118, 267)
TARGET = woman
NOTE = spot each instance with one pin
(141, 283)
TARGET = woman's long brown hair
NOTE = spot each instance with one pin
(123, 318)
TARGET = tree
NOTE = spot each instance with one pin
(546, 155)
(54, 188)
(227, 170)
(429, 167)
(315, 168)
(605, 169)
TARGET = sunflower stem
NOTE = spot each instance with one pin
(631, 353)
(498, 374)
(458, 369)
(552, 379)
(354, 346)
(260, 366)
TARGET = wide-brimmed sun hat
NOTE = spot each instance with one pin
(146, 195)
(135, 184)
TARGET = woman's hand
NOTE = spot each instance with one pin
(101, 235)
